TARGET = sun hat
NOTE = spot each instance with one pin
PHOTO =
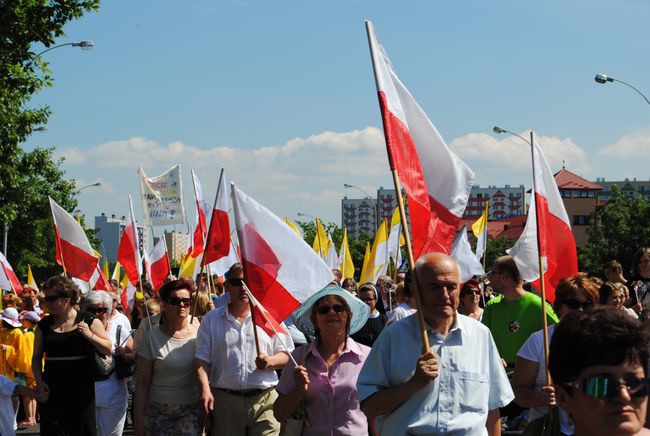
(30, 316)
(359, 309)
(10, 315)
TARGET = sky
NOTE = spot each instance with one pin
(282, 94)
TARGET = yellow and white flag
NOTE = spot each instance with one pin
(378, 261)
(30, 278)
(321, 244)
(346, 265)
(479, 228)
(293, 226)
(395, 238)
(364, 270)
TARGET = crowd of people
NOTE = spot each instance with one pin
(351, 360)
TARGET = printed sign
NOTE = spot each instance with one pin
(162, 198)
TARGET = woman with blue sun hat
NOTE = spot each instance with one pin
(324, 382)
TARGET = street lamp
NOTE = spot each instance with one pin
(88, 186)
(374, 205)
(306, 214)
(84, 45)
(603, 78)
(40, 129)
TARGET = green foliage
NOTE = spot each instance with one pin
(617, 230)
(496, 247)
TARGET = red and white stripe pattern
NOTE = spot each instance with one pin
(203, 212)
(218, 242)
(8, 279)
(437, 182)
(158, 268)
(128, 252)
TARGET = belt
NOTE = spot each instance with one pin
(64, 358)
(247, 393)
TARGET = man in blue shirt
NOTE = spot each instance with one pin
(456, 387)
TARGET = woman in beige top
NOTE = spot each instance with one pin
(166, 386)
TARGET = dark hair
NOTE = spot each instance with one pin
(637, 257)
(63, 287)
(613, 265)
(605, 291)
(506, 265)
(572, 286)
(235, 267)
(175, 285)
(602, 336)
(114, 283)
(316, 305)
(347, 282)
(469, 285)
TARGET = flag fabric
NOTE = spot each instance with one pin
(8, 279)
(378, 264)
(321, 244)
(395, 238)
(128, 252)
(105, 271)
(162, 198)
(116, 272)
(30, 278)
(99, 281)
(467, 261)
(293, 226)
(73, 251)
(365, 269)
(548, 216)
(332, 259)
(218, 242)
(263, 318)
(281, 270)
(203, 213)
(346, 265)
(437, 182)
(159, 268)
(479, 228)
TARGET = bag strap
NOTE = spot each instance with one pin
(119, 330)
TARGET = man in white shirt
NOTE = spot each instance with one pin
(235, 382)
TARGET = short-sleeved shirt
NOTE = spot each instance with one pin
(173, 380)
(229, 347)
(471, 380)
(332, 402)
(512, 322)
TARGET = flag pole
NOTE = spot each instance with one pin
(252, 308)
(541, 265)
(485, 235)
(409, 251)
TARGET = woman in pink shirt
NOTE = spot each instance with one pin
(324, 382)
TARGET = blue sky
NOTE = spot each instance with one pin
(282, 93)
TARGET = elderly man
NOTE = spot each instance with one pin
(236, 382)
(456, 387)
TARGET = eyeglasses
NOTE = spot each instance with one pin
(236, 282)
(97, 310)
(471, 293)
(606, 386)
(574, 304)
(52, 298)
(366, 299)
(177, 301)
(338, 308)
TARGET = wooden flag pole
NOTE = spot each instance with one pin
(409, 250)
(541, 265)
(250, 303)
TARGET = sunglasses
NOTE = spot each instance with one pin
(177, 301)
(366, 299)
(606, 387)
(338, 308)
(236, 282)
(575, 304)
(97, 310)
(471, 293)
(53, 298)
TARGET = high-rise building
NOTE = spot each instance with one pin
(176, 245)
(109, 231)
(358, 216)
(505, 201)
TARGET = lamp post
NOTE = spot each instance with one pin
(306, 214)
(88, 186)
(374, 204)
(603, 78)
(84, 45)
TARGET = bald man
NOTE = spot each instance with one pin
(456, 387)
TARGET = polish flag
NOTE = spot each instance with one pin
(436, 181)
(99, 281)
(556, 243)
(158, 268)
(8, 279)
(73, 251)
(281, 270)
(263, 318)
(128, 252)
(218, 244)
(203, 212)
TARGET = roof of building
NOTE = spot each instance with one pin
(565, 179)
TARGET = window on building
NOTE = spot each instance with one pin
(584, 194)
(581, 220)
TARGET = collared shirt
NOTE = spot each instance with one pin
(332, 402)
(229, 347)
(471, 380)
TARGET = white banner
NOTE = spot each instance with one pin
(162, 198)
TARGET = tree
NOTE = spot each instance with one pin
(28, 177)
(496, 247)
(616, 231)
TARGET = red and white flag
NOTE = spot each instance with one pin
(73, 251)
(128, 252)
(100, 281)
(281, 270)
(436, 181)
(557, 245)
(264, 319)
(218, 244)
(158, 268)
(203, 211)
(8, 279)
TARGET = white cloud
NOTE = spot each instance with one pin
(634, 144)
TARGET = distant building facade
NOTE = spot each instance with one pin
(109, 231)
(627, 186)
(580, 197)
(358, 216)
(176, 245)
(504, 202)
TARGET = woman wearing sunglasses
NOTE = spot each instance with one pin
(166, 392)
(326, 376)
(598, 361)
(577, 293)
(66, 385)
(111, 395)
(470, 297)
